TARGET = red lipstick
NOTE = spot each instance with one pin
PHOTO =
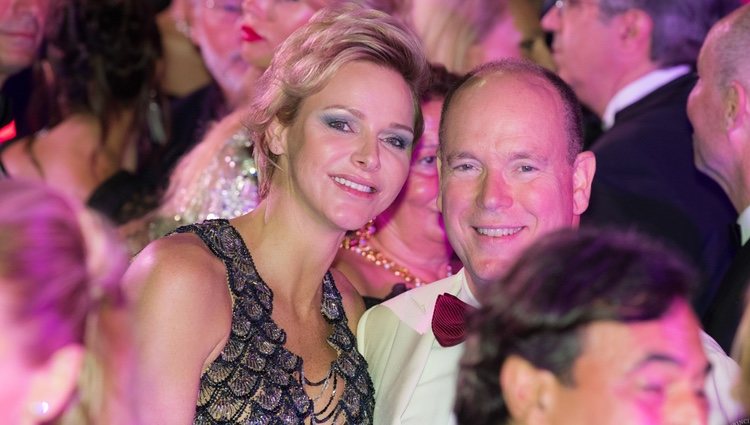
(249, 35)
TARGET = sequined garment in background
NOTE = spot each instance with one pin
(227, 188)
(255, 379)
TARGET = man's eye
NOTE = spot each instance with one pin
(463, 167)
(527, 168)
(397, 142)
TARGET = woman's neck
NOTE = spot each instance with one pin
(291, 251)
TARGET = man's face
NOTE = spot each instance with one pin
(584, 50)
(706, 110)
(642, 373)
(21, 33)
(505, 176)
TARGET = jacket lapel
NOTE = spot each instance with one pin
(412, 346)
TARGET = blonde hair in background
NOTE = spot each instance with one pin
(449, 28)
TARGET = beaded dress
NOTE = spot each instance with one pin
(255, 379)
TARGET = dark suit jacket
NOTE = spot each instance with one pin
(724, 314)
(646, 179)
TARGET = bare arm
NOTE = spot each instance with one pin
(181, 318)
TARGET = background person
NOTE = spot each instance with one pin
(630, 62)
(104, 57)
(588, 327)
(719, 110)
(60, 270)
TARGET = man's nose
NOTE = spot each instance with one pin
(496, 193)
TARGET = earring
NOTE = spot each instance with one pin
(39, 408)
(155, 120)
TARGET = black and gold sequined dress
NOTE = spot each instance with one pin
(255, 379)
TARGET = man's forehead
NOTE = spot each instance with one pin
(671, 339)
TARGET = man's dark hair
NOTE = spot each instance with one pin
(539, 311)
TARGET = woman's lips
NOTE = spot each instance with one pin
(249, 35)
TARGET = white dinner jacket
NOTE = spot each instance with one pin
(396, 338)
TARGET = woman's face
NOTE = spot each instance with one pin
(415, 209)
(267, 23)
(215, 29)
(348, 151)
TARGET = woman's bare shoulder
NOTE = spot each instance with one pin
(180, 259)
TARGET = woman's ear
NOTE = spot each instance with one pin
(277, 137)
(54, 383)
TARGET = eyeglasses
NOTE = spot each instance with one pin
(562, 5)
(228, 6)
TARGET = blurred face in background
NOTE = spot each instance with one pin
(21, 32)
(267, 23)
(517, 33)
(415, 212)
(215, 29)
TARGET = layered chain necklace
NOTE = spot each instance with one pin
(358, 242)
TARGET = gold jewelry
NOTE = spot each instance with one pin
(358, 242)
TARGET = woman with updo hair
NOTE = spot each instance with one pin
(103, 64)
(60, 270)
(242, 320)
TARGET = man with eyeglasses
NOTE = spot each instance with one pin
(632, 63)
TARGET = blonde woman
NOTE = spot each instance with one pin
(241, 320)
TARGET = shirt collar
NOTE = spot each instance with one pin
(638, 89)
(744, 222)
(464, 294)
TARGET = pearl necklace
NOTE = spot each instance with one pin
(358, 242)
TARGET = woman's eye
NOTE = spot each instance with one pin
(526, 168)
(428, 160)
(339, 125)
(397, 142)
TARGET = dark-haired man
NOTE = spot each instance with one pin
(587, 328)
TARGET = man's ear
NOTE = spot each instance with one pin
(736, 107)
(635, 27)
(276, 134)
(528, 392)
(54, 383)
(584, 168)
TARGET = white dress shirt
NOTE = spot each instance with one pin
(639, 89)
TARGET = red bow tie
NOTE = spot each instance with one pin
(449, 320)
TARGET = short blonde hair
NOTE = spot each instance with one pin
(308, 59)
